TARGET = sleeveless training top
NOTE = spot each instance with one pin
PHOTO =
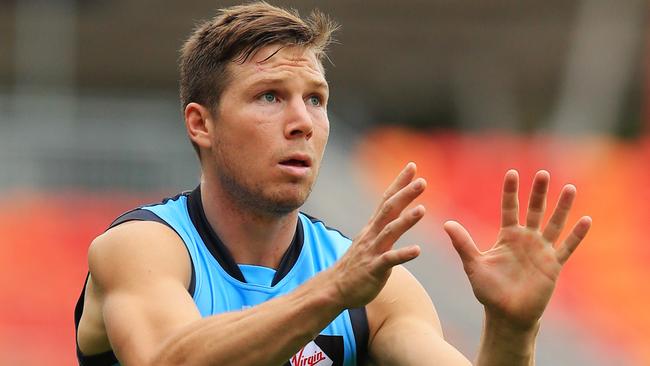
(218, 284)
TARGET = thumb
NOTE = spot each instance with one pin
(462, 241)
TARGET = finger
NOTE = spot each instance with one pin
(537, 200)
(396, 228)
(570, 244)
(509, 200)
(462, 241)
(392, 208)
(560, 213)
(403, 178)
(395, 257)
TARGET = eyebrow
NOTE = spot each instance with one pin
(270, 80)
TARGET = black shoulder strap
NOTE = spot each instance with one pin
(359, 320)
(138, 214)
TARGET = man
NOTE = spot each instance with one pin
(233, 274)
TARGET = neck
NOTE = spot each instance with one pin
(251, 237)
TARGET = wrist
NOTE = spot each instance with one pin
(330, 289)
(507, 342)
(501, 326)
(313, 305)
(323, 293)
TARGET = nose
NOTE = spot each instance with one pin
(299, 121)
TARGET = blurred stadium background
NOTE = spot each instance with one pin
(90, 126)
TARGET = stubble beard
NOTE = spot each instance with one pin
(250, 194)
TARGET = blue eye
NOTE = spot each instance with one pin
(314, 100)
(268, 97)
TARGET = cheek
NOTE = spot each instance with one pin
(322, 130)
(252, 148)
(246, 132)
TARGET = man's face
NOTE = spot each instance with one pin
(271, 129)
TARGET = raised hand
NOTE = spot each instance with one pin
(363, 271)
(515, 279)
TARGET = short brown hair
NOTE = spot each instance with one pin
(233, 36)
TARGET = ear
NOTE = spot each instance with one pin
(199, 124)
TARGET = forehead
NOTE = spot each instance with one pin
(279, 62)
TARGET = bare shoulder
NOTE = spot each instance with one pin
(137, 247)
(131, 258)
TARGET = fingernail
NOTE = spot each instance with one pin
(418, 210)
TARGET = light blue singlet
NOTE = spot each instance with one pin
(220, 285)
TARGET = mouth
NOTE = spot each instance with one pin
(297, 160)
(297, 165)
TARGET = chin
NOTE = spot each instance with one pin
(286, 201)
(266, 196)
(288, 204)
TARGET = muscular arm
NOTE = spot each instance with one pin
(140, 272)
(404, 326)
(405, 331)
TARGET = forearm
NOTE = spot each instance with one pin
(503, 344)
(267, 334)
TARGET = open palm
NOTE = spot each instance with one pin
(515, 279)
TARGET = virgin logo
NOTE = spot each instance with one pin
(311, 355)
